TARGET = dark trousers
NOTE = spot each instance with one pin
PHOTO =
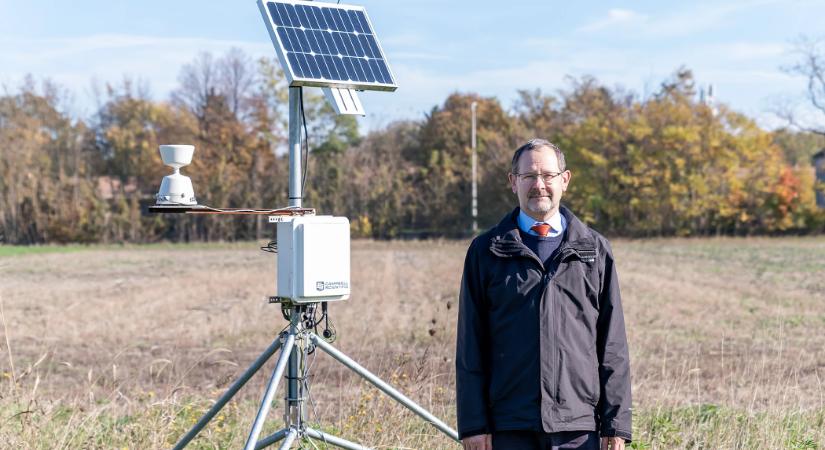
(537, 440)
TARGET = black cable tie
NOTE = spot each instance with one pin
(295, 378)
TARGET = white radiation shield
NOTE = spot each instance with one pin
(176, 189)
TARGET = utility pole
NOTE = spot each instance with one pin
(475, 171)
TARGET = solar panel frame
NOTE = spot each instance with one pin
(301, 50)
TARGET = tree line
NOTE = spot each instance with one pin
(663, 165)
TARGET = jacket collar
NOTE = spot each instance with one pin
(577, 239)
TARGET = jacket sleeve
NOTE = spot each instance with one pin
(614, 362)
(471, 340)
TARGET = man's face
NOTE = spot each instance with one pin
(538, 198)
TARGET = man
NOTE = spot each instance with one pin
(541, 355)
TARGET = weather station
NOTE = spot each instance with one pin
(332, 47)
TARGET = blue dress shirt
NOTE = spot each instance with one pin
(557, 224)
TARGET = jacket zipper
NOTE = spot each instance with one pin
(551, 296)
(557, 259)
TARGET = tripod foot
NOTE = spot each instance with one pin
(330, 439)
(229, 393)
(272, 438)
(380, 384)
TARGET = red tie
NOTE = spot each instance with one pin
(541, 229)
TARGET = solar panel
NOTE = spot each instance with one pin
(326, 45)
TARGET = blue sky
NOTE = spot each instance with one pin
(434, 47)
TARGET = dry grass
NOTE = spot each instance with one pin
(125, 347)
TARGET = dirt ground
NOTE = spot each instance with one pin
(736, 323)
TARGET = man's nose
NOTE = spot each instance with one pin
(539, 183)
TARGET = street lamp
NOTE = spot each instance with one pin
(475, 171)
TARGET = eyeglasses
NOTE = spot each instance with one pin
(532, 177)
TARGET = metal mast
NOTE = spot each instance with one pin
(473, 107)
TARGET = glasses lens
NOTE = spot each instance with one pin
(532, 177)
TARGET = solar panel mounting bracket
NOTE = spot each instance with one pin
(344, 100)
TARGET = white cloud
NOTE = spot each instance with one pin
(698, 17)
(403, 40)
(74, 62)
(615, 17)
(746, 51)
(742, 73)
(545, 43)
(420, 56)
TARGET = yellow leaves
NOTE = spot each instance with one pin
(678, 136)
(593, 157)
(361, 226)
(639, 130)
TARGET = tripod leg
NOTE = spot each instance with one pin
(266, 403)
(289, 439)
(272, 438)
(236, 386)
(380, 384)
(336, 441)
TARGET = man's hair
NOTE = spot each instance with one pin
(536, 144)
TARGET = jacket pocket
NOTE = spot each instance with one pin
(596, 383)
(579, 381)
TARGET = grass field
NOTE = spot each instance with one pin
(125, 347)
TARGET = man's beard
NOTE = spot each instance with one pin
(541, 203)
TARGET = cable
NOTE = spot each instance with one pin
(271, 247)
(203, 209)
(329, 330)
(311, 320)
(305, 142)
(309, 394)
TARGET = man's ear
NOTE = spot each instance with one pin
(565, 179)
(512, 179)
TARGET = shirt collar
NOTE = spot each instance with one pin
(557, 224)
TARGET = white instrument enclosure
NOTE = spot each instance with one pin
(314, 259)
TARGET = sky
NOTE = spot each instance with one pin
(434, 47)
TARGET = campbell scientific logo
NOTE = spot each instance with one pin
(328, 285)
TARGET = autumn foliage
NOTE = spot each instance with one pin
(663, 165)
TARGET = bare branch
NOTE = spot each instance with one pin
(811, 66)
(236, 76)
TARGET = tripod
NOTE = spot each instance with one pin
(295, 344)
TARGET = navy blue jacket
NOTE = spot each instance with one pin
(538, 350)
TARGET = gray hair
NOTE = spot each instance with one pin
(537, 144)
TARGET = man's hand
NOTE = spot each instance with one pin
(479, 442)
(611, 443)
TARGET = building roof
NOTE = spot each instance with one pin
(107, 187)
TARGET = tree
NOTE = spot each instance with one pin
(44, 169)
(443, 163)
(798, 146)
(377, 194)
(811, 65)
